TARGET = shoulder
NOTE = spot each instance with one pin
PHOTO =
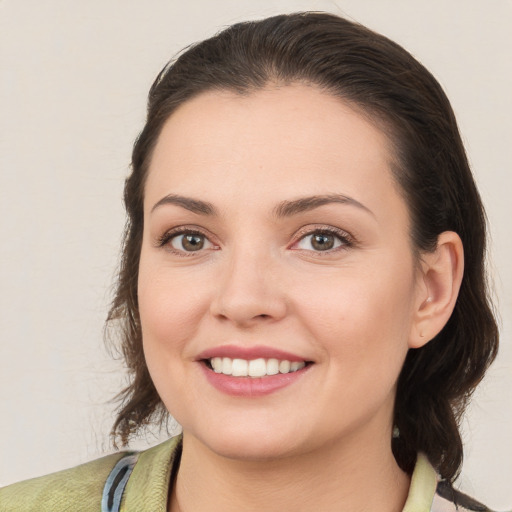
(138, 478)
(78, 489)
(429, 493)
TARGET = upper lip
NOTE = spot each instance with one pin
(249, 353)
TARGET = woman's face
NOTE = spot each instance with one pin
(274, 234)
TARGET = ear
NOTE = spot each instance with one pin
(439, 280)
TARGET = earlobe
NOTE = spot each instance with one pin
(441, 277)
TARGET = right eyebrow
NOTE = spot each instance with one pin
(193, 205)
(304, 204)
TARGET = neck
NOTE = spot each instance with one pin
(355, 476)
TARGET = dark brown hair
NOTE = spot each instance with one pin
(388, 85)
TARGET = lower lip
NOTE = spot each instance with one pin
(252, 386)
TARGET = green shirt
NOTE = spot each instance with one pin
(80, 489)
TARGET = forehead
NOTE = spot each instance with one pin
(272, 142)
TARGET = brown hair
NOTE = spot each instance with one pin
(386, 83)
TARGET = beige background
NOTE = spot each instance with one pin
(74, 79)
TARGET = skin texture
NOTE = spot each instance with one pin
(354, 311)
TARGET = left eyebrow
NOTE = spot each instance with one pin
(303, 204)
(193, 205)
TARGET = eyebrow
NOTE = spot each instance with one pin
(286, 208)
(303, 204)
(194, 205)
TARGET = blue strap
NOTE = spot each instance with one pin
(116, 482)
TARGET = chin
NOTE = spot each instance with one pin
(255, 449)
(257, 443)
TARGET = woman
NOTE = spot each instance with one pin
(302, 284)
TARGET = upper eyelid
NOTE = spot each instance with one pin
(320, 228)
(180, 230)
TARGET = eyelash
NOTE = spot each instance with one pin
(165, 239)
(347, 241)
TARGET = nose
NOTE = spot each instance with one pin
(249, 291)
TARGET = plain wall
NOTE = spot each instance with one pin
(74, 80)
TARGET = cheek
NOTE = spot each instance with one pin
(360, 316)
(170, 310)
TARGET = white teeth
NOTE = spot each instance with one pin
(240, 368)
(284, 366)
(227, 365)
(255, 367)
(296, 366)
(216, 363)
(272, 367)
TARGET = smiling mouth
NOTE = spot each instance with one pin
(254, 368)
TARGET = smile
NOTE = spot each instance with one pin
(252, 371)
(254, 367)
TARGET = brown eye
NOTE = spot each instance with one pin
(322, 242)
(189, 242)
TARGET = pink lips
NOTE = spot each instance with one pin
(248, 353)
(250, 386)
